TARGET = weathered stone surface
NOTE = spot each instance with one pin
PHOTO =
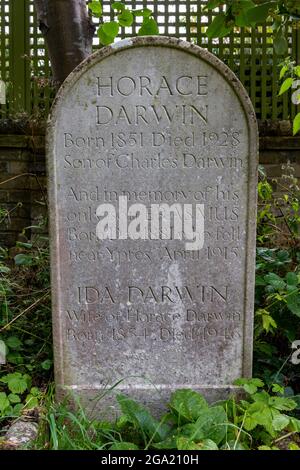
(158, 121)
(20, 433)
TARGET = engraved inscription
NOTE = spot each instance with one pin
(140, 138)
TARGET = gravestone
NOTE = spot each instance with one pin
(152, 160)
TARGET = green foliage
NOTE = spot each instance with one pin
(107, 32)
(248, 13)
(296, 124)
(260, 420)
(149, 27)
(25, 328)
(16, 382)
(96, 8)
(264, 411)
(277, 293)
(17, 394)
(288, 82)
(290, 74)
(218, 27)
(279, 212)
(277, 299)
(187, 405)
(140, 417)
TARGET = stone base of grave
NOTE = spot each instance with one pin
(101, 403)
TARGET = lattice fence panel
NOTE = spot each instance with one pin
(249, 53)
(5, 49)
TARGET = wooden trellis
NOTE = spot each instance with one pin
(249, 53)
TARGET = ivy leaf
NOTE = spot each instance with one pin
(111, 28)
(296, 124)
(107, 32)
(125, 18)
(95, 7)
(104, 39)
(149, 27)
(217, 27)
(118, 6)
(288, 82)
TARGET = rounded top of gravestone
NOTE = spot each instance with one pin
(160, 41)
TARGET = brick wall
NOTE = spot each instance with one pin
(22, 185)
(23, 181)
